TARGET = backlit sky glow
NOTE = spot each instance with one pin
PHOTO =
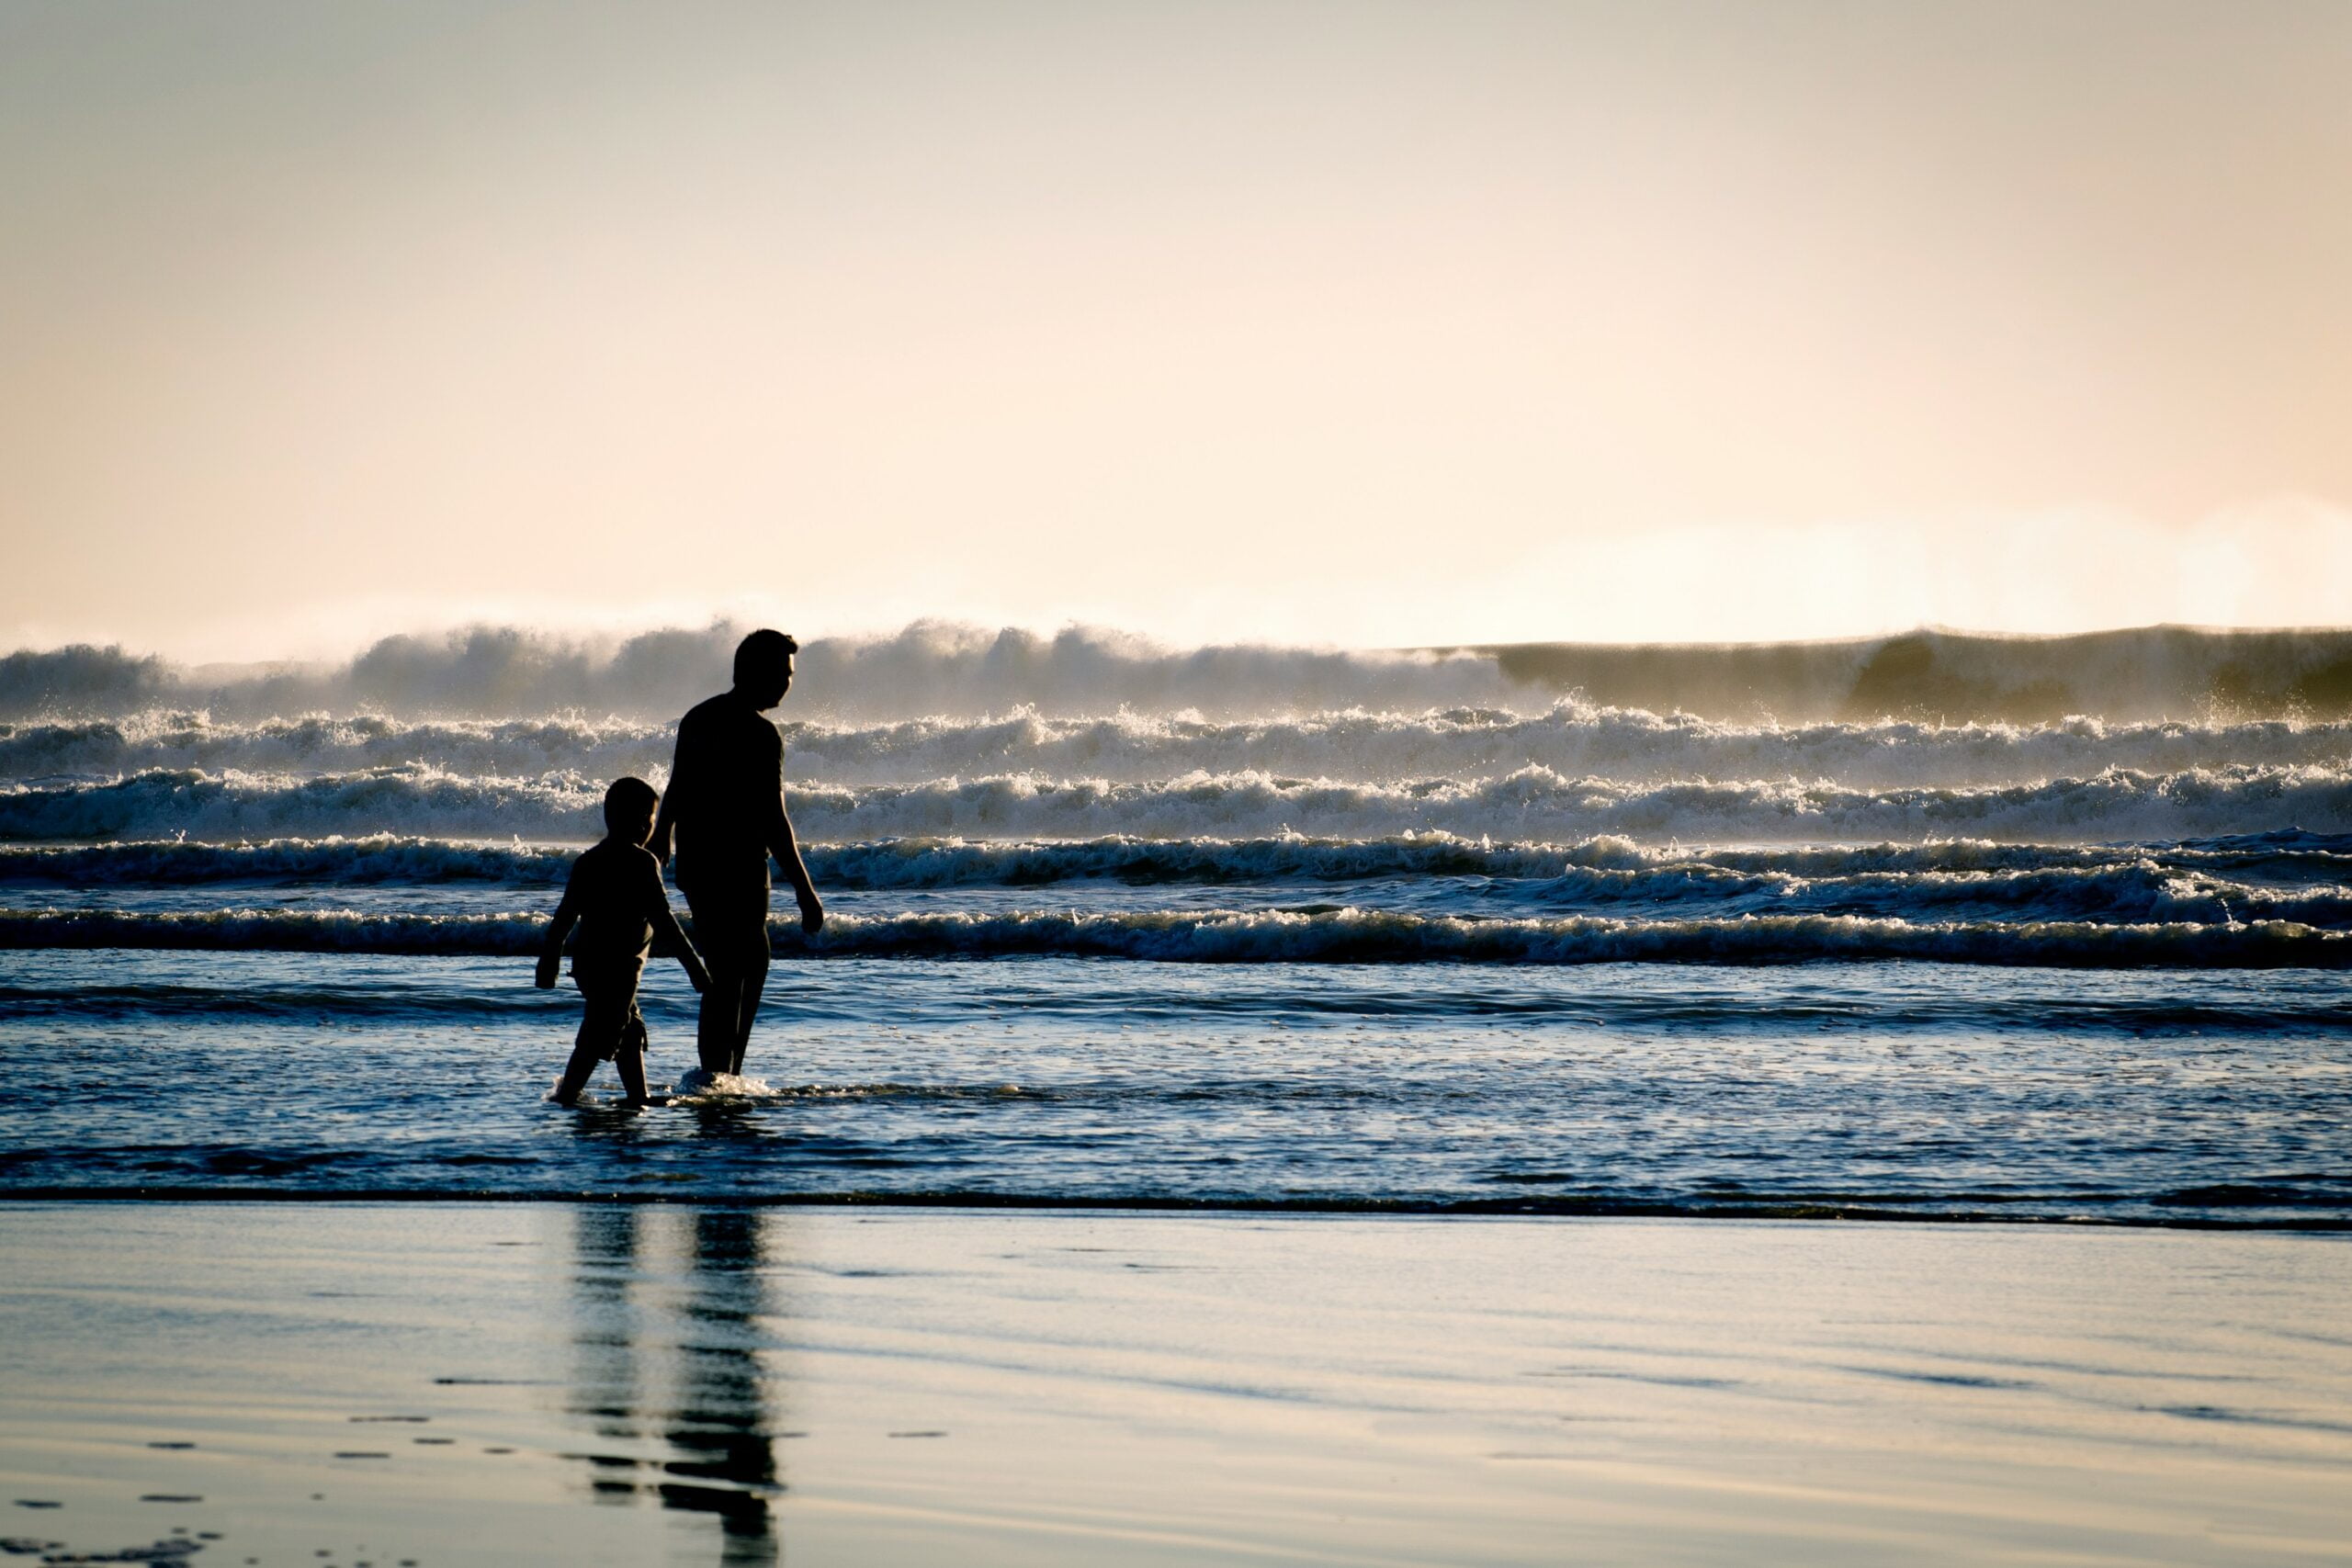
(1357, 322)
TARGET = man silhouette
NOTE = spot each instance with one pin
(724, 807)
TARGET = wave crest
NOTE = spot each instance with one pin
(1339, 936)
(929, 862)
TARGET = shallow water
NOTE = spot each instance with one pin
(1880, 1088)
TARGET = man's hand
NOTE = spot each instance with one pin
(812, 915)
(697, 975)
(549, 963)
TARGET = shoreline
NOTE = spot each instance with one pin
(989, 1202)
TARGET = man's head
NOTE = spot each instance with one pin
(629, 810)
(764, 667)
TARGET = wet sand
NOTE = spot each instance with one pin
(439, 1383)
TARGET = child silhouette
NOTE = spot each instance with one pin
(615, 897)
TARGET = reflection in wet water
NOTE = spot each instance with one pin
(666, 1367)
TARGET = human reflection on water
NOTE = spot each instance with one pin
(667, 1371)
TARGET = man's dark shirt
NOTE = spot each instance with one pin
(726, 796)
(617, 897)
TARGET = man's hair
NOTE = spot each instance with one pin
(625, 796)
(760, 652)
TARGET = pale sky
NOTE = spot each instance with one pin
(1357, 322)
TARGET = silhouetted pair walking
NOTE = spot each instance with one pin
(724, 817)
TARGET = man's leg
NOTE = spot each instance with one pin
(730, 1005)
(731, 931)
(715, 1020)
(753, 983)
(716, 1029)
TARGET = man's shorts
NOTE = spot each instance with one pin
(730, 926)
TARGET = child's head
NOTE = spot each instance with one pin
(629, 809)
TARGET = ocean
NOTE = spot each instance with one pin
(2060, 934)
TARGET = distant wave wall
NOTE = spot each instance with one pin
(1340, 936)
(961, 671)
(1528, 804)
(928, 668)
(1569, 737)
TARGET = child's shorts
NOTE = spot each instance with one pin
(609, 1020)
(632, 1037)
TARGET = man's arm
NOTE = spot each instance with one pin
(787, 849)
(665, 820)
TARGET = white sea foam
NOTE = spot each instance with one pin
(1356, 746)
(696, 1085)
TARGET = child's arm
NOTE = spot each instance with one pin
(566, 914)
(666, 928)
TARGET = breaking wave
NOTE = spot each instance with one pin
(1333, 936)
(236, 805)
(1530, 804)
(379, 858)
(2297, 876)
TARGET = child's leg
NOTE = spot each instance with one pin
(604, 1014)
(629, 1058)
(577, 1072)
